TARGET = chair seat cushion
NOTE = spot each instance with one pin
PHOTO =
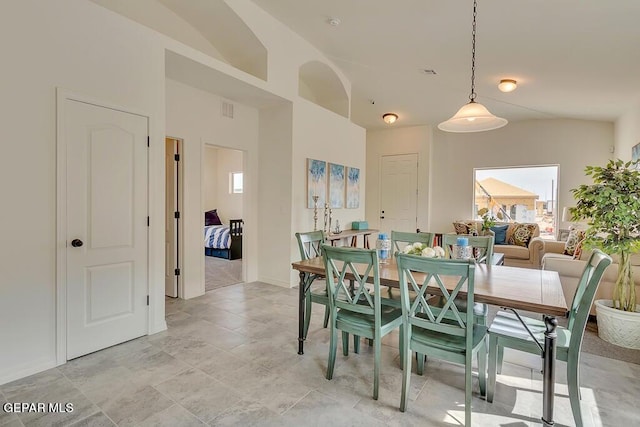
(450, 343)
(507, 325)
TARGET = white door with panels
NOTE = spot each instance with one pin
(106, 226)
(399, 193)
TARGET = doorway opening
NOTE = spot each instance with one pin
(223, 188)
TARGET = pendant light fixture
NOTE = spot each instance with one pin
(472, 117)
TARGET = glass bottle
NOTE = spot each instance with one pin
(383, 245)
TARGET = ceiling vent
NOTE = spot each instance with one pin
(227, 109)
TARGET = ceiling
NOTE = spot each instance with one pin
(572, 58)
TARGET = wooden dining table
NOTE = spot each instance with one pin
(515, 288)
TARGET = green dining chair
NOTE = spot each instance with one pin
(455, 338)
(485, 245)
(309, 244)
(359, 313)
(507, 331)
(482, 244)
(400, 239)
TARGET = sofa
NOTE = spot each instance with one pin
(570, 270)
(529, 256)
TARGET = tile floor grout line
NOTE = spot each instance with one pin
(86, 397)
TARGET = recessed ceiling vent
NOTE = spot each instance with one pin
(227, 109)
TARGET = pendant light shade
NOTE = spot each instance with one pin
(473, 117)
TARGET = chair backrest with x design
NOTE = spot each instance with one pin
(449, 277)
(400, 239)
(483, 244)
(310, 244)
(343, 265)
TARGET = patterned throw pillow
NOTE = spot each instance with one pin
(462, 227)
(522, 234)
(578, 252)
(574, 242)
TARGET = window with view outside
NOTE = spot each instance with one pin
(518, 194)
(236, 186)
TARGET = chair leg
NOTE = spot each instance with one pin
(482, 368)
(326, 317)
(333, 346)
(401, 346)
(573, 384)
(356, 344)
(493, 354)
(420, 364)
(500, 357)
(345, 343)
(377, 346)
(406, 373)
(467, 390)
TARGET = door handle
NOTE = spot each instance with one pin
(76, 243)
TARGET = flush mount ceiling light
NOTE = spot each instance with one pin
(472, 117)
(507, 85)
(390, 118)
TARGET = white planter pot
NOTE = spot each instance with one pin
(618, 327)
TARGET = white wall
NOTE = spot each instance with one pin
(84, 48)
(394, 141)
(573, 144)
(217, 166)
(627, 133)
(323, 135)
(210, 178)
(194, 116)
(62, 44)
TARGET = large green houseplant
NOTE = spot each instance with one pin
(611, 206)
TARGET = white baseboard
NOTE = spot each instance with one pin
(275, 282)
(158, 327)
(19, 372)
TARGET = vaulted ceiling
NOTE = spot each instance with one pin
(572, 58)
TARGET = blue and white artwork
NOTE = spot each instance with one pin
(316, 182)
(336, 186)
(353, 188)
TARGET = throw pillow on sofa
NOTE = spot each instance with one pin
(500, 234)
(522, 234)
(574, 242)
(462, 227)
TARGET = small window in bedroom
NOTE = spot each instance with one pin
(235, 182)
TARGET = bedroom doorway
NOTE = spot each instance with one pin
(223, 194)
(173, 198)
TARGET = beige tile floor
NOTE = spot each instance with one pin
(229, 359)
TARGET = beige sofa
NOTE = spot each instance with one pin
(570, 271)
(520, 256)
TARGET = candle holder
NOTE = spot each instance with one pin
(326, 218)
(315, 211)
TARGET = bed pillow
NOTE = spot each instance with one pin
(211, 218)
(500, 232)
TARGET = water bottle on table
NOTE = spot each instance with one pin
(383, 245)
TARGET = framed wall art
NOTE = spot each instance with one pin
(336, 185)
(353, 188)
(316, 182)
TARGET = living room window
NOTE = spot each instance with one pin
(518, 194)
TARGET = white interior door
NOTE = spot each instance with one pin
(107, 243)
(399, 193)
(171, 221)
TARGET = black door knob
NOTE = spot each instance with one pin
(76, 243)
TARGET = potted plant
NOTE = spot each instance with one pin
(488, 221)
(611, 206)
